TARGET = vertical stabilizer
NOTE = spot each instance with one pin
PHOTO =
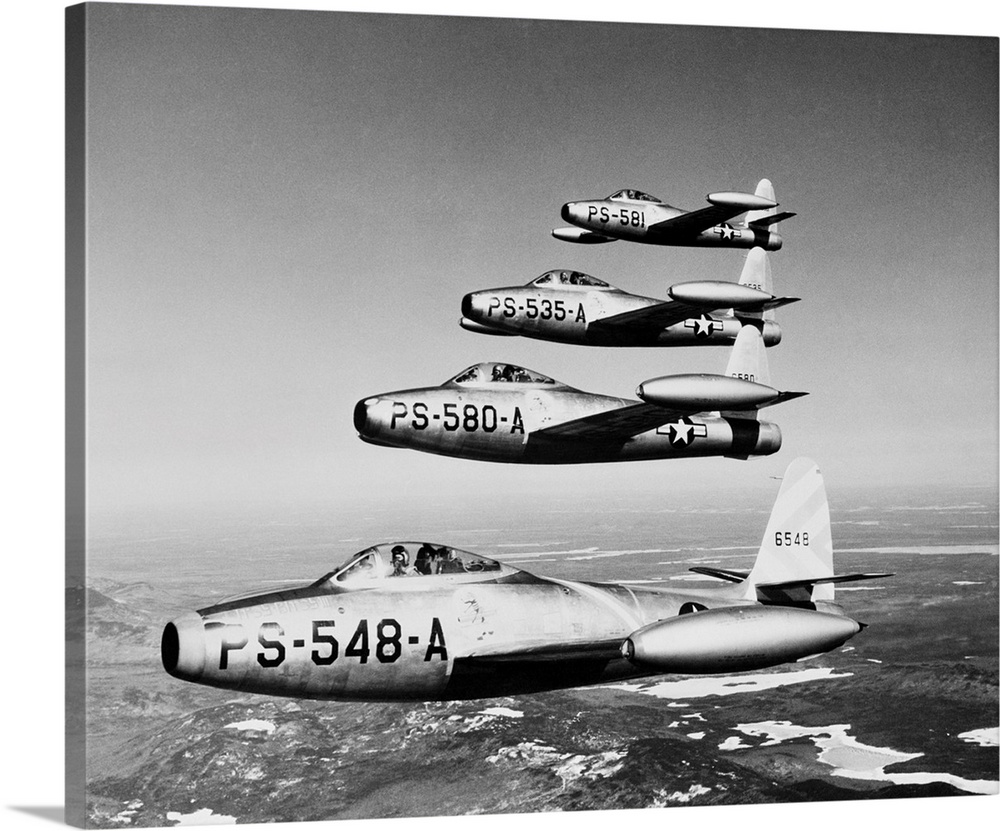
(756, 274)
(797, 544)
(765, 189)
(748, 358)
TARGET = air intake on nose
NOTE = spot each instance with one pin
(170, 647)
(361, 416)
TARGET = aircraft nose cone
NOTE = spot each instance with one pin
(566, 213)
(182, 647)
(467, 306)
(361, 415)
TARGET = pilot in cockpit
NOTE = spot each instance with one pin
(400, 562)
(449, 562)
(425, 561)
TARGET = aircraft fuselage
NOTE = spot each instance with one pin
(637, 221)
(449, 641)
(499, 425)
(413, 620)
(568, 315)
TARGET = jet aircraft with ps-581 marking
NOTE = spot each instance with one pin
(498, 412)
(635, 216)
(572, 307)
(415, 621)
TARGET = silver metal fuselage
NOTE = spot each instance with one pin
(636, 221)
(567, 315)
(485, 423)
(410, 641)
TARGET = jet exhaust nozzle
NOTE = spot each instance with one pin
(736, 639)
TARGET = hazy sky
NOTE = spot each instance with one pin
(287, 207)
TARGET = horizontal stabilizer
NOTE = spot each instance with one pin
(784, 396)
(794, 592)
(772, 219)
(778, 302)
(722, 573)
(833, 578)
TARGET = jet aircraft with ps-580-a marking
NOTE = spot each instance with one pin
(498, 412)
(415, 621)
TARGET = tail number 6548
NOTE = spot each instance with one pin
(788, 538)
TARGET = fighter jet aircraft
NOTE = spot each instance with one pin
(638, 217)
(498, 412)
(572, 307)
(415, 621)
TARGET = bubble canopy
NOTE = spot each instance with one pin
(387, 563)
(633, 196)
(499, 373)
(562, 277)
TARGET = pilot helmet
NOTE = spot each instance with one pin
(399, 553)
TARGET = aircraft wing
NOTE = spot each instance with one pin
(602, 650)
(656, 317)
(613, 426)
(544, 667)
(695, 222)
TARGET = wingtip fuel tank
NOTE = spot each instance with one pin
(580, 235)
(720, 295)
(740, 201)
(736, 639)
(706, 392)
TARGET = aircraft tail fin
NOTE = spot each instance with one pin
(748, 361)
(795, 560)
(794, 565)
(756, 274)
(765, 189)
(748, 358)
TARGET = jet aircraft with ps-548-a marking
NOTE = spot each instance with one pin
(635, 216)
(498, 412)
(416, 621)
(568, 306)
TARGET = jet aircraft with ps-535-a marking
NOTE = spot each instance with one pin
(498, 412)
(416, 621)
(635, 216)
(572, 307)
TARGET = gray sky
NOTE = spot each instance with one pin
(286, 209)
